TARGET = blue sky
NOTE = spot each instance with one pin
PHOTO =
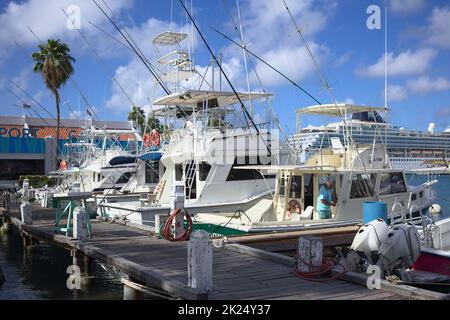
(350, 55)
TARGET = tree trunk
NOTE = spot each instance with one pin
(58, 119)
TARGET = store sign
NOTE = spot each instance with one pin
(19, 133)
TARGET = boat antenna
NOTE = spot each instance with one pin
(267, 64)
(222, 71)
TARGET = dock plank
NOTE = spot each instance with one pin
(238, 272)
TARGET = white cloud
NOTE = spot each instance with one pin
(23, 78)
(405, 64)
(270, 33)
(405, 6)
(347, 101)
(262, 22)
(47, 20)
(439, 29)
(396, 93)
(424, 85)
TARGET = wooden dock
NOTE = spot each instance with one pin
(239, 272)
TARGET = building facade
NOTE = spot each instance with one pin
(27, 145)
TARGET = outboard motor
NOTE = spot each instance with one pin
(370, 237)
(400, 249)
(364, 249)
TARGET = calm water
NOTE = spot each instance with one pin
(40, 272)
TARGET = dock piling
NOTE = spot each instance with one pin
(80, 231)
(310, 253)
(132, 289)
(200, 261)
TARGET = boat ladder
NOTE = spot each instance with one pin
(190, 177)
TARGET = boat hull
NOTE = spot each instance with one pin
(433, 260)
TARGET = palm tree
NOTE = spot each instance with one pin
(54, 62)
(153, 123)
(137, 115)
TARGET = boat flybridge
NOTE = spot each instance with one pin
(358, 174)
(203, 156)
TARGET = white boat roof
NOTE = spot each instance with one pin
(168, 38)
(194, 97)
(336, 110)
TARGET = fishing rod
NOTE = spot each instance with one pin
(220, 67)
(267, 64)
(153, 73)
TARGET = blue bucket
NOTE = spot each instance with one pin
(373, 211)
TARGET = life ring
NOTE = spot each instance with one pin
(156, 138)
(63, 165)
(147, 140)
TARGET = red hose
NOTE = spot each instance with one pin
(167, 229)
(324, 268)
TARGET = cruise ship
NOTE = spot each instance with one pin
(407, 149)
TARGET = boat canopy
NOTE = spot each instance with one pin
(337, 110)
(168, 38)
(190, 100)
(197, 97)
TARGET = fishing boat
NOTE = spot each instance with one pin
(359, 173)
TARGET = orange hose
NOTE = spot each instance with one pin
(167, 229)
(324, 268)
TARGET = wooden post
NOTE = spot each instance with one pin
(80, 231)
(310, 253)
(2, 277)
(131, 289)
(4, 227)
(26, 214)
(200, 261)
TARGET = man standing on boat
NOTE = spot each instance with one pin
(327, 198)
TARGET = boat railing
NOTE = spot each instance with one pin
(396, 205)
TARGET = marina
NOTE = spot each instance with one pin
(244, 155)
(156, 263)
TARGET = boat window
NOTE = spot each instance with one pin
(282, 183)
(124, 178)
(362, 186)
(245, 174)
(178, 172)
(392, 182)
(203, 170)
(296, 187)
(151, 172)
(413, 196)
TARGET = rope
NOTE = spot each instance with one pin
(327, 265)
(167, 229)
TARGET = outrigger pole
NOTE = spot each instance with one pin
(267, 64)
(220, 67)
(166, 90)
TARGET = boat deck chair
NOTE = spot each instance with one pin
(305, 215)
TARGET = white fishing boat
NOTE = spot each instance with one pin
(204, 158)
(359, 174)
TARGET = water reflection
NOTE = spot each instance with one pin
(39, 272)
